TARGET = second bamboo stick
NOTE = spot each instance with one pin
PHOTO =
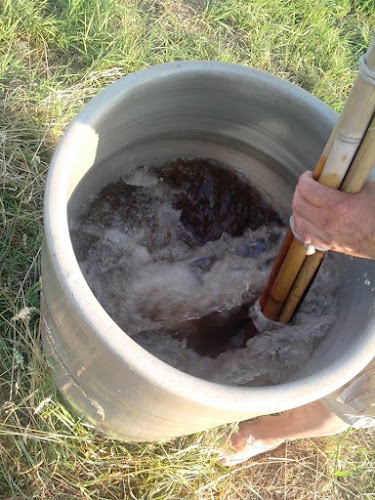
(355, 179)
(283, 275)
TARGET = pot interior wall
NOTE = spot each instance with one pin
(262, 132)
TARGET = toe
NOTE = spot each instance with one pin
(229, 458)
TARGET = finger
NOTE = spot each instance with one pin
(317, 194)
(368, 188)
(319, 217)
(305, 209)
(310, 233)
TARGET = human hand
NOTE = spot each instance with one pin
(328, 218)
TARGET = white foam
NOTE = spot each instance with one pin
(150, 276)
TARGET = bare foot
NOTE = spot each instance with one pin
(268, 432)
(250, 441)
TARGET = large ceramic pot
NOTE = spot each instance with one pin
(268, 129)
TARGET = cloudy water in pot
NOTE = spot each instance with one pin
(177, 254)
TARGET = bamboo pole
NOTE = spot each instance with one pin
(330, 170)
(289, 269)
(351, 127)
(356, 177)
(276, 267)
(306, 274)
(362, 164)
(269, 305)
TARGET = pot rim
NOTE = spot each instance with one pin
(241, 400)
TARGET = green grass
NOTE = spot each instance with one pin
(54, 56)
